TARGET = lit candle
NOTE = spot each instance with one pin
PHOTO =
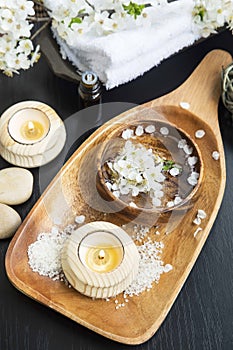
(28, 126)
(101, 251)
(100, 260)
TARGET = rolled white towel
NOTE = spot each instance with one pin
(122, 56)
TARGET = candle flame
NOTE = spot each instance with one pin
(30, 126)
(101, 254)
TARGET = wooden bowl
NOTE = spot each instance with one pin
(165, 146)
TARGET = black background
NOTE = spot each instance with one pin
(202, 316)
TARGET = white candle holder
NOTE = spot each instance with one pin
(31, 134)
(100, 260)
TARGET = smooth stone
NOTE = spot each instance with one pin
(16, 185)
(9, 221)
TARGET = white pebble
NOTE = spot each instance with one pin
(127, 134)
(184, 105)
(16, 185)
(80, 219)
(201, 214)
(197, 230)
(199, 134)
(9, 221)
(164, 131)
(149, 129)
(197, 221)
(139, 130)
(215, 155)
(174, 171)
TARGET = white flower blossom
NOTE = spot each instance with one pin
(16, 48)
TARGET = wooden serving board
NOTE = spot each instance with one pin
(140, 318)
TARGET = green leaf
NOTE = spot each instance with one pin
(75, 20)
(133, 9)
(168, 164)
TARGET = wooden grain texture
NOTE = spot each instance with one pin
(141, 318)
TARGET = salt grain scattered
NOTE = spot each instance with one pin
(184, 105)
(127, 134)
(174, 171)
(197, 221)
(192, 160)
(215, 155)
(201, 214)
(80, 219)
(149, 129)
(139, 130)
(199, 134)
(170, 204)
(188, 149)
(150, 268)
(182, 143)
(196, 232)
(177, 200)
(167, 268)
(44, 255)
(164, 131)
(133, 205)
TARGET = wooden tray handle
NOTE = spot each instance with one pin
(204, 85)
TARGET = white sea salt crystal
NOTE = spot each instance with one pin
(184, 105)
(57, 221)
(192, 181)
(167, 268)
(182, 143)
(197, 221)
(201, 214)
(44, 255)
(156, 202)
(188, 149)
(139, 130)
(164, 131)
(54, 230)
(177, 200)
(149, 129)
(192, 160)
(174, 171)
(150, 268)
(170, 204)
(116, 194)
(199, 134)
(215, 155)
(80, 219)
(157, 232)
(114, 187)
(133, 205)
(108, 185)
(196, 232)
(127, 134)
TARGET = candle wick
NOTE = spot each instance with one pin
(101, 254)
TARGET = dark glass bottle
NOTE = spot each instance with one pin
(89, 90)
